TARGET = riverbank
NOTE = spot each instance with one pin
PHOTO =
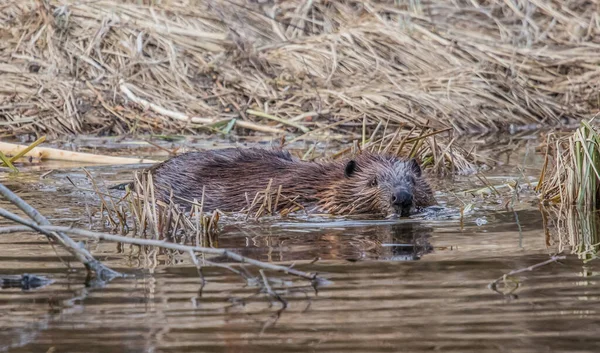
(295, 68)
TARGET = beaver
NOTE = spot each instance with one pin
(369, 183)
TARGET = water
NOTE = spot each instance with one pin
(415, 285)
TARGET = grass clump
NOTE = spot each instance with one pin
(437, 150)
(569, 186)
(270, 202)
(573, 177)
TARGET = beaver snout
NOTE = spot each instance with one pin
(402, 201)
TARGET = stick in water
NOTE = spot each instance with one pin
(43, 226)
(82, 255)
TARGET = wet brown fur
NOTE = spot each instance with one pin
(352, 186)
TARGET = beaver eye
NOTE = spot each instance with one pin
(412, 180)
(374, 182)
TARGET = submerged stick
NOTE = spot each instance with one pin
(81, 254)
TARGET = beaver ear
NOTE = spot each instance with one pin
(350, 169)
(414, 165)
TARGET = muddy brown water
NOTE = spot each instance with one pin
(410, 285)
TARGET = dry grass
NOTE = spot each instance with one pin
(571, 173)
(438, 152)
(569, 186)
(116, 67)
(139, 211)
(270, 202)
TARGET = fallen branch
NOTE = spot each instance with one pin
(271, 292)
(81, 254)
(56, 154)
(165, 245)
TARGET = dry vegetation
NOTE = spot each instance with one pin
(139, 211)
(117, 67)
(571, 174)
(570, 190)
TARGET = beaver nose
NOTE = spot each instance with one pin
(402, 199)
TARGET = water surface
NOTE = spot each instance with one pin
(418, 284)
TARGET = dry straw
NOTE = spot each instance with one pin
(294, 66)
(139, 211)
(571, 173)
(570, 188)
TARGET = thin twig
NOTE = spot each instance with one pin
(494, 284)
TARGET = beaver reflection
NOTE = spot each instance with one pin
(396, 242)
(389, 242)
(409, 241)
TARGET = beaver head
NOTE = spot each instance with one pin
(379, 184)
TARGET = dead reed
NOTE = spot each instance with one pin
(437, 153)
(270, 202)
(569, 188)
(138, 211)
(571, 171)
(116, 67)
